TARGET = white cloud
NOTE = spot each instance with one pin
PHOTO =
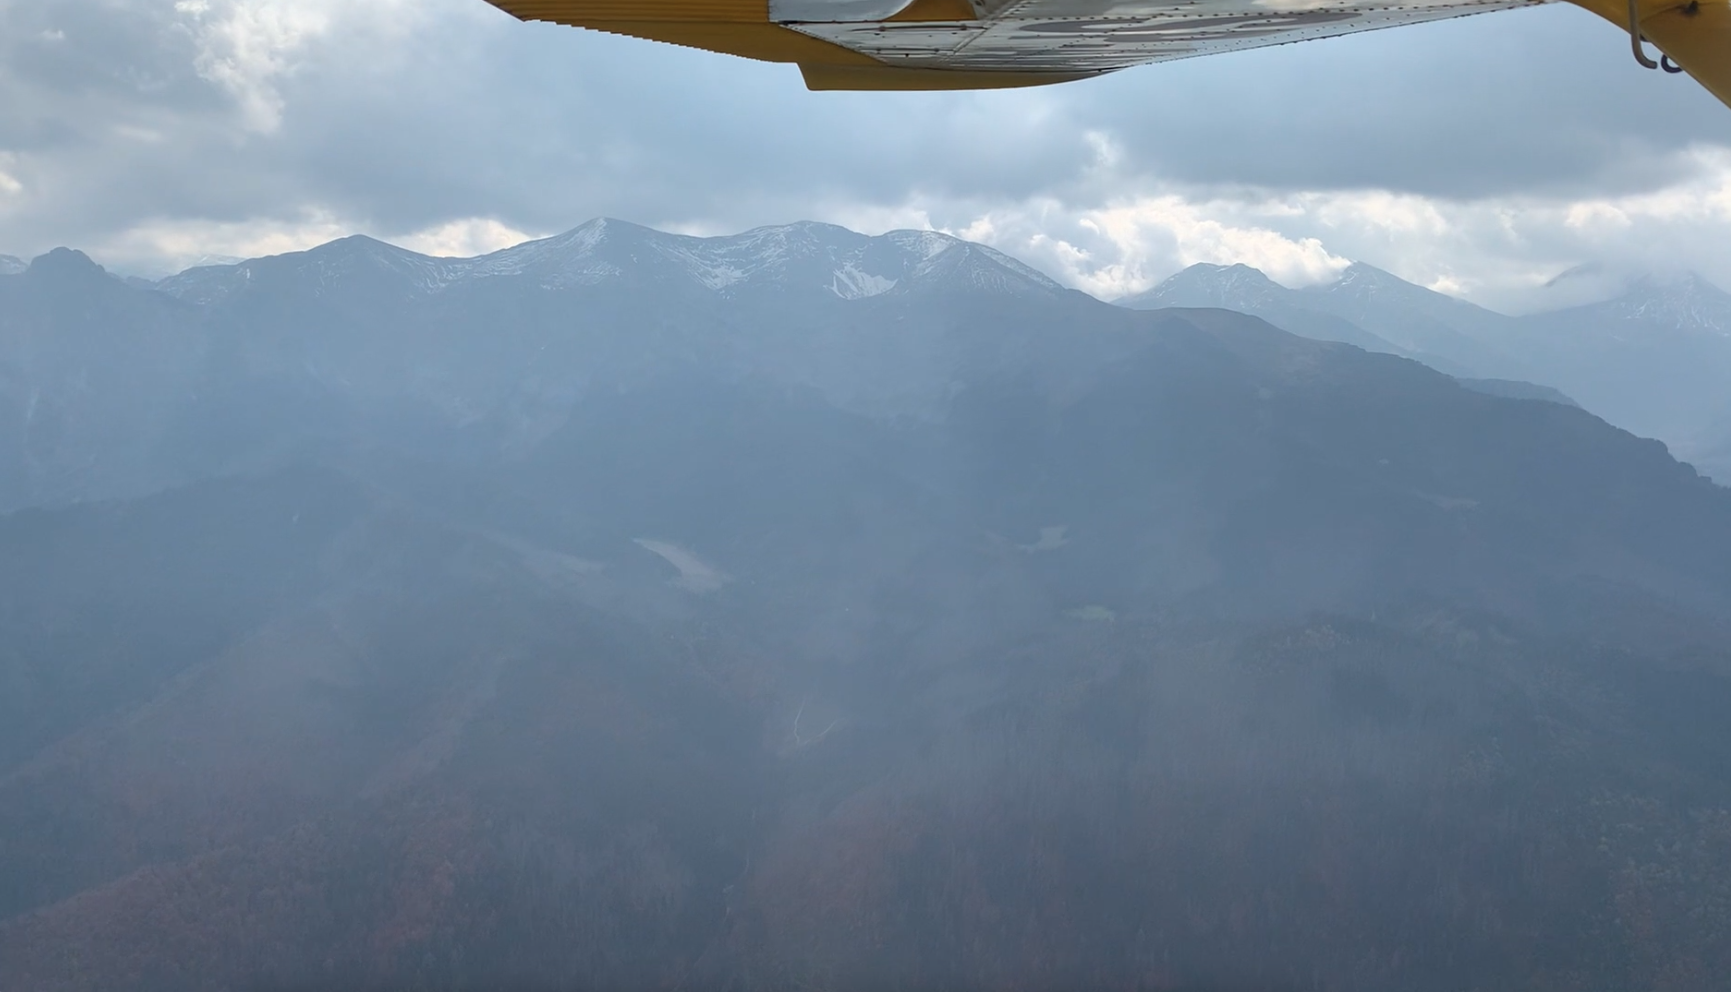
(249, 47)
(1206, 231)
(12, 188)
(1500, 251)
(465, 238)
(162, 247)
(878, 219)
(1127, 244)
(246, 46)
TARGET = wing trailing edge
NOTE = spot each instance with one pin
(731, 27)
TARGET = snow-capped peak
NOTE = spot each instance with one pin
(1204, 284)
(1688, 302)
(803, 257)
(925, 244)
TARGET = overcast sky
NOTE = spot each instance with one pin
(1481, 156)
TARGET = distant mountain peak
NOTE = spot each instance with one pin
(1237, 275)
(1365, 270)
(210, 260)
(802, 257)
(1686, 301)
(1675, 284)
(360, 246)
(1233, 287)
(953, 263)
(1235, 268)
(355, 242)
(1238, 282)
(11, 265)
(928, 244)
(1362, 278)
(65, 263)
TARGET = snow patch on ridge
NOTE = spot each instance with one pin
(852, 284)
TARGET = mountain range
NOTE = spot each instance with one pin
(1654, 359)
(806, 609)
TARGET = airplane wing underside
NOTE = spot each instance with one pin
(1093, 36)
(972, 44)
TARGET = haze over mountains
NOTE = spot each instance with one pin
(805, 609)
(1654, 359)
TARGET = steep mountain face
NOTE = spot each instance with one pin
(877, 615)
(1425, 321)
(241, 366)
(610, 297)
(1653, 360)
(92, 373)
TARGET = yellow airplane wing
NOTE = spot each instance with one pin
(1694, 35)
(978, 44)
